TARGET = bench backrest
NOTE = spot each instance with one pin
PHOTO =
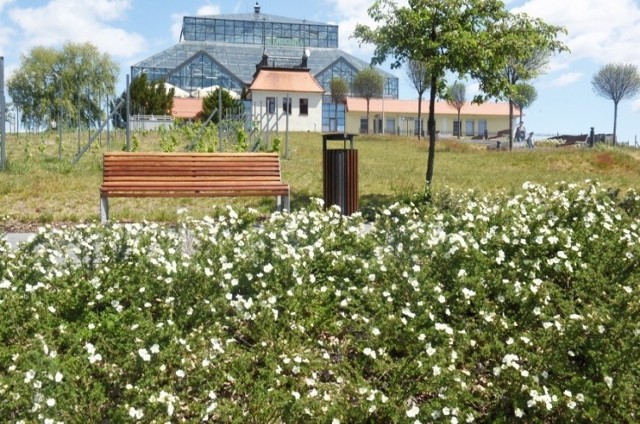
(176, 166)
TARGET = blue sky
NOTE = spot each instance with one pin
(599, 32)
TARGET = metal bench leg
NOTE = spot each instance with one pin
(104, 209)
(283, 203)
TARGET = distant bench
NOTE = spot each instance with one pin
(154, 174)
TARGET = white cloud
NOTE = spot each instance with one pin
(78, 20)
(208, 9)
(601, 30)
(3, 3)
(347, 14)
(566, 79)
(176, 18)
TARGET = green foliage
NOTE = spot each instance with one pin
(505, 308)
(368, 83)
(72, 81)
(135, 143)
(242, 144)
(168, 140)
(275, 144)
(147, 98)
(339, 89)
(211, 103)
(456, 97)
(466, 37)
(525, 95)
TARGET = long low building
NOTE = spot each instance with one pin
(393, 116)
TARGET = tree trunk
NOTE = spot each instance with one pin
(459, 125)
(510, 125)
(431, 127)
(420, 114)
(615, 121)
(368, 129)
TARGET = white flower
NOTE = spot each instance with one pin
(369, 352)
(58, 377)
(295, 395)
(468, 294)
(268, 268)
(413, 412)
(144, 354)
(436, 370)
(180, 373)
(155, 348)
(51, 402)
(29, 375)
(95, 358)
(519, 413)
(375, 331)
(136, 413)
(609, 381)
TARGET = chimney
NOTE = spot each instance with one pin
(256, 8)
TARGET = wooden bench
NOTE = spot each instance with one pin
(155, 174)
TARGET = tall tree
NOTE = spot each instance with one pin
(147, 98)
(522, 67)
(339, 89)
(617, 82)
(211, 103)
(72, 81)
(525, 95)
(418, 73)
(456, 98)
(368, 83)
(467, 37)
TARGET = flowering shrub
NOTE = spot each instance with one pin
(468, 309)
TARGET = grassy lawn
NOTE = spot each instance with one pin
(39, 188)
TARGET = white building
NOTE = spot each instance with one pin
(286, 98)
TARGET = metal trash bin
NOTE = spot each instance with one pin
(340, 173)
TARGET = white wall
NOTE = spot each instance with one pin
(297, 122)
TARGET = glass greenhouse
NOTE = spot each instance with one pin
(225, 50)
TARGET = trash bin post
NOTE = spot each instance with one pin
(340, 173)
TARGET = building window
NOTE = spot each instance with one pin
(304, 106)
(482, 128)
(456, 127)
(364, 126)
(271, 105)
(391, 126)
(469, 123)
(286, 105)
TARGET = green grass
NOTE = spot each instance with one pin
(37, 187)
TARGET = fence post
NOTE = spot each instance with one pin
(591, 137)
(3, 123)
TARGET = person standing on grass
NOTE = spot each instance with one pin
(530, 141)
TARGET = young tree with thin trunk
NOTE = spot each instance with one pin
(368, 83)
(456, 98)
(465, 37)
(418, 73)
(617, 82)
(339, 89)
(525, 95)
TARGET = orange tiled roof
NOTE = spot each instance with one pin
(357, 104)
(186, 108)
(286, 80)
